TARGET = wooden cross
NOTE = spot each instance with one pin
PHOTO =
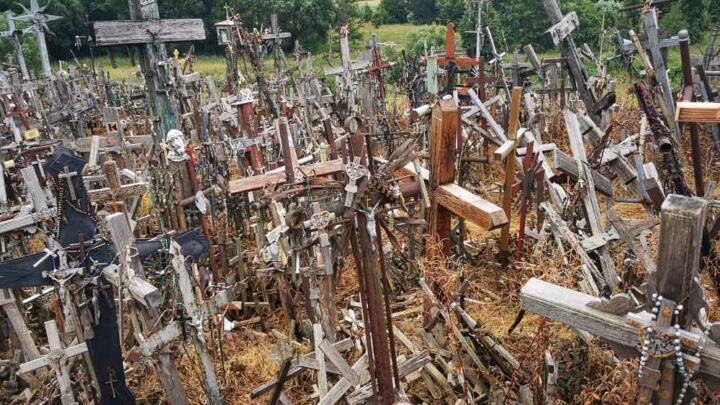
(149, 32)
(130, 274)
(347, 68)
(562, 31)
(37, 17)
(592, 208)
(67, 175)
(275, 36)
(670, 351)
(57, 360)
(14, 34)
(447, 197)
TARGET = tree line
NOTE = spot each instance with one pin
(313, 22)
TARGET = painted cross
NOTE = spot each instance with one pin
(37, 17)
(671, 353)
(67, 175)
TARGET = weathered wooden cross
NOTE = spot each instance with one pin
(671, 351)
(149, 32)
(562, 31)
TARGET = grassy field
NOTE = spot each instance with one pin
(371, 3)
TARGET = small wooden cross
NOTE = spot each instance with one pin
(67, 175)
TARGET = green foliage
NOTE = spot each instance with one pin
(453, 11)
(424, 11)
(396, 11)
(426, 38)
(366, 13)
(379, 17)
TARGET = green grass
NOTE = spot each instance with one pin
(371, 3)
(399, 34)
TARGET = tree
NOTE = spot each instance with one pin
(424, 11)
(396, 11)
(453, 11)
(29, 48)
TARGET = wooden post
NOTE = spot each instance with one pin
(443, 144)
(513, 127)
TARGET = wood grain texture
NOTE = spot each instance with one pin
(112, 33)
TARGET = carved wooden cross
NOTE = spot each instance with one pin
(57, 360)
(661, 334)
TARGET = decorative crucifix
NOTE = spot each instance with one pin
(37, 17)
(671, 351)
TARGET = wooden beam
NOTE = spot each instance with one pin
(701, 113)
(112, 33)
(278, 178)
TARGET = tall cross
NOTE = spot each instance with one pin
(275, 36)
(14, 34)
(671, 352)
(149, 32)
(37, 17)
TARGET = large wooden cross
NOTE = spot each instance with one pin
(670, 350)
(149, 32)
(446, 197)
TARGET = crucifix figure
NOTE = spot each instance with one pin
(37, 17)
(666, 332)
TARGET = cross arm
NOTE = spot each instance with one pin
(462, 202)
(45, 361)
(112, 33)
(258, 182)
(570, 307)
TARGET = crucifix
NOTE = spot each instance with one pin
(672, 352)
(561, 31)
(14, 34)
(149, 32)
(37, 17)
(346, 70)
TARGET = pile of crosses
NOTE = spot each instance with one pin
(143, 216)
